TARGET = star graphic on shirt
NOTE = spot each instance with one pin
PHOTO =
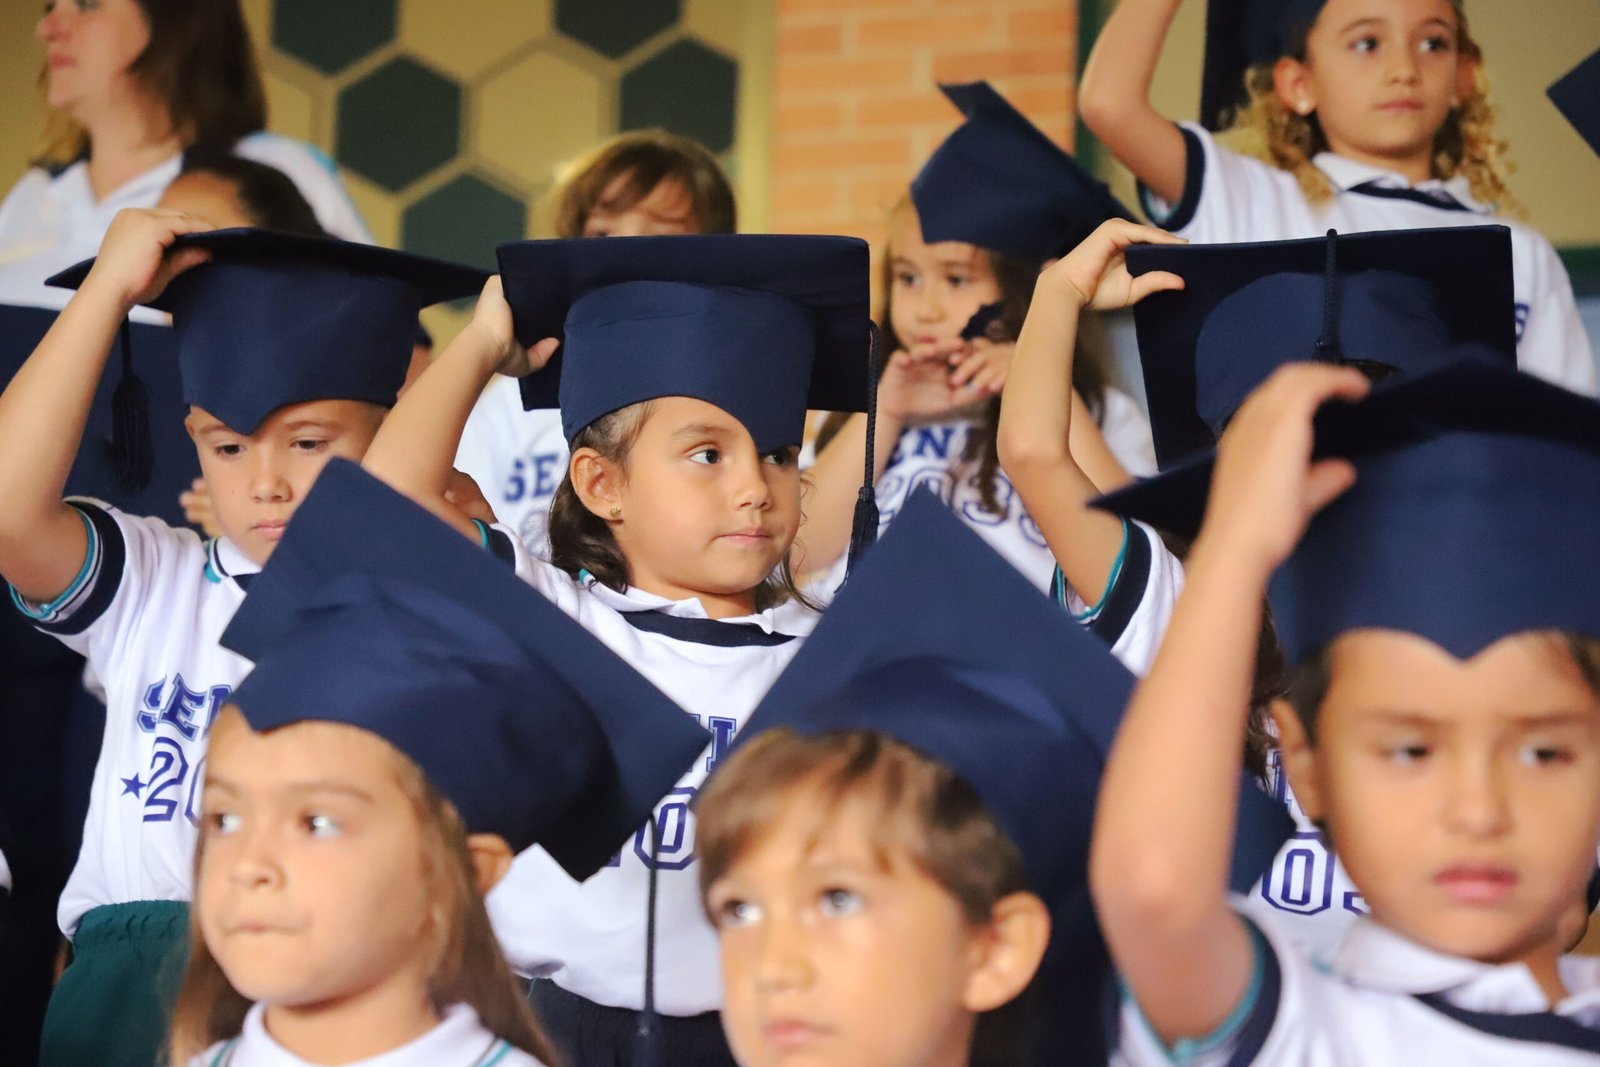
(132, 785)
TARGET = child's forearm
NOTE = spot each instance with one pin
(1044, 427)
(1164, 823)
(834, 482)
(42, 417)
(1114, 95)
(414, 450)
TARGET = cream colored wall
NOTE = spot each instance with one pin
(1527, 44)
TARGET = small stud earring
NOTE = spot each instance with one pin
(616, 513)
(1303, 108)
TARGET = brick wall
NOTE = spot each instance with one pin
(856, 108)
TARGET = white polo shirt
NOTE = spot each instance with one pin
(48, 223)
(590, 938)
(459, 1040)
(1382, 999)
(931, 455)
(1229, 198)
(146, 611)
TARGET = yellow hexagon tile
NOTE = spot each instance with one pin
(726, 24)
(291, 110)
(527, 142)
(464, 38)
(258, 16)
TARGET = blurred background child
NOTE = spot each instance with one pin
(992, 205)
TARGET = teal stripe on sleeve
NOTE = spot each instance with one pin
(91, 556)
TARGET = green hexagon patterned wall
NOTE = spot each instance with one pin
(449, 118)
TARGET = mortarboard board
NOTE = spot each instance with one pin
(762, 326)
(999, 183)
(1239, 35)
(1577, 96)
(98, 470)
(1473, 514)
(1020, 701)
(1407, 300)
(371, 612)
(276, 319)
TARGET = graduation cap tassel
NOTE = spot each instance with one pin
(131, 450)
(864, 526)
(1327, 347)
(645, 1051)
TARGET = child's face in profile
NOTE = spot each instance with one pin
(257, 481)
(1462, 796)
(703, 514)
(666, 209)
(934, 290)
(312, 888)
(829, 956)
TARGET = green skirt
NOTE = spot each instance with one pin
(114, 1001)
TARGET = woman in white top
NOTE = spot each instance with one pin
(130, 85)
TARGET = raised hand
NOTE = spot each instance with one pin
(1266, 486)
(491, 319)
(136, 263)
(1096, 275)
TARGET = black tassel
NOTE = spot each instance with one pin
(864, 525)
(1327, 347)
(646, 1052)
(132, 459)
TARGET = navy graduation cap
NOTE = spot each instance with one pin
(1018, 700)
(371, 612)
(1475, 514)
(100, 468)
(998, 182)
(1577, 96)
(1399, 300)
(762, 326)
(1239, 35)
(276, 319)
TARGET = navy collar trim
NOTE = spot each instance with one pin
(1433, 198)
(1541, 1027)
(704, 631)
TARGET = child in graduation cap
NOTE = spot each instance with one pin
(994, 203)
(640, 183)
(1352, 114)
(896, 847)
(1213, 322)
(685, 371)
(275, 386)
(1424, 553)
(349, 830)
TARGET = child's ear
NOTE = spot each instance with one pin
(491, 859)
(1292, 80)
(1007, 952)
(597, 481)
(1298, 758)
(188, 425)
